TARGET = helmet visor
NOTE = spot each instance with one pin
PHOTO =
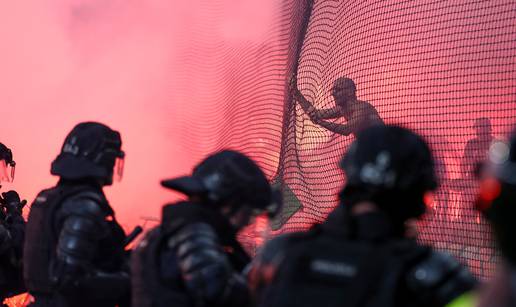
(7, 171)
(119, 169)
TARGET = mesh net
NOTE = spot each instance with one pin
(445, 69)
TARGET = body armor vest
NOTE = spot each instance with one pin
(42, 236)
(149, 288)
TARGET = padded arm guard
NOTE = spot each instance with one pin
(206, 271)
(82, 227)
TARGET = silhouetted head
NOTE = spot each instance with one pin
(344, 89)
(391, 167)
(230, 182)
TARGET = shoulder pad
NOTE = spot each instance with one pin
(83, 205)
(192, 231)
(439, 277)
(197, 238)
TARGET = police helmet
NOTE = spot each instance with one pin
(91, 150)
(391, 166)
(227, 177)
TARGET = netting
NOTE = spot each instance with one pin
(445, 69)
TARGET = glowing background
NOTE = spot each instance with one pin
(182, 79)
(145, 68)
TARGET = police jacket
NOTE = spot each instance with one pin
(12, 233)
(191, 259)
(74, 248)
(355, 262)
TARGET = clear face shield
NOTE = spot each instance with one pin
(118, 171)
(7, 171)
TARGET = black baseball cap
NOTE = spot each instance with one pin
(223, 175)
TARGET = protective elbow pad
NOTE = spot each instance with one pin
(205, 268)
(81, 230)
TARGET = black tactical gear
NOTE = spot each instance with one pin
(5, 240)
(12, 236)
(332, 265)
(192, 259)
(361, 258)
(392, 167)
(72, 239)
(12, 203)
(90, 151)
(12, 231)
(227, 175)
(498, 194)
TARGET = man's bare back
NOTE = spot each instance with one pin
(358, 114)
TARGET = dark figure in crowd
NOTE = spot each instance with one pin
(477, 148)
(474, 232)
(12, 231)
(363, 255)
(497, 200)
(74, 249)
(358, 114)
(193, 257)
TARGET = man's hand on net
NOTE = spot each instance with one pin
(309, 109)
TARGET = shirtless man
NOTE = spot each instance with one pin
(358, 114)
(477, 148)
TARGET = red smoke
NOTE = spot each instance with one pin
(121, 63)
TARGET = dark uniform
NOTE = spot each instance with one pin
(12, 231)
(360, 256)
(74, 250)
(497, 200)
(12, 235)
(193, 257)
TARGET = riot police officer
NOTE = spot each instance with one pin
(12, 231)
(362, 256)
(497, 200)
(74, 248)
(193, 257)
